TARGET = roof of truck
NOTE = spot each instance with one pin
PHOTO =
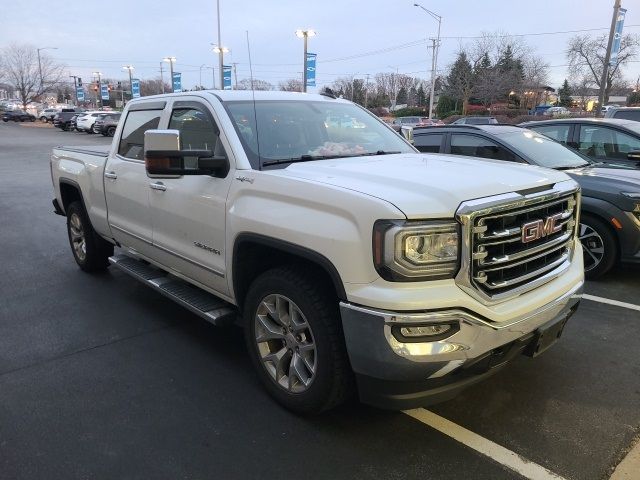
(247, 95)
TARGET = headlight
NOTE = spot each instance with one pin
(415, 251)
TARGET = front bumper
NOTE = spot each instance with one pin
(392, 374)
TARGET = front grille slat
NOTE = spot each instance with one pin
(501, 261)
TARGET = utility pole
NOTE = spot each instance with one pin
(607, 58)
(75, 86)
(162, 76)
(366, 91)
(235, 74)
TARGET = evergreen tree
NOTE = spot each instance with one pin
(460, 81)
(422, 97)
(564, 94)
(402, 96)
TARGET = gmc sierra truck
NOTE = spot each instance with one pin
(353, 262)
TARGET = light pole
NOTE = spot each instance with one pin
(130, 69)
(40, 64)
(171, 61)
(434, 57)
(75, 86)
(221, 51)
(99, 92)
(305, 34)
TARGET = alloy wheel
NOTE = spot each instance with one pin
(593, 246)
(285, 343)
(78, 241)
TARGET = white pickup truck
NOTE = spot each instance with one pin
(353, 262)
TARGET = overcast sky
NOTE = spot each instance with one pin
(141, 32)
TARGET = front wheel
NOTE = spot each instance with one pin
(90, 251)
(295, 340)
(599, 246)
(111, 131)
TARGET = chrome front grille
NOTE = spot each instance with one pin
(500, 258)
(516, 242)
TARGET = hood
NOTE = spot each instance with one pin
(425, 185)
(607, 183)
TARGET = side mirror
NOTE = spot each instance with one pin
(163, 157)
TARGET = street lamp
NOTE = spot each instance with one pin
(220, 50)
(40, 64)
(171, 61)
(130, 68)
(434, 57)
(99, 92)
(305, 34)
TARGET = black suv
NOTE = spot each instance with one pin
(18, 116)
(610, 222)
(106, 124)
(63, 120)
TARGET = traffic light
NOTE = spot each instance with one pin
(79, 82)
(119, 85)
(109, 87)
(95, 87)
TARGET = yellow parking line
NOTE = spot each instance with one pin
(486, 447)
(608, 301)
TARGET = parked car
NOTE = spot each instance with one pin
(63, 119)
(475, 121)
(85, 122)
(414, 122)
(610, 141)
(556, 111)
(106, 124)
(352, 261)
(610, 221)
(624, 113)
(47, 114)
(18, 116)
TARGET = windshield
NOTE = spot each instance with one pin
(542, 150)
(310, 130)
(633, 126)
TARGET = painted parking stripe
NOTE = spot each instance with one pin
(496, 452)
(608, 301)
(630, 466)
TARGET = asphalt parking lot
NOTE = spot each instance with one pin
(101, 377)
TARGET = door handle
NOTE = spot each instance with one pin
(111, 175)
(158, 186)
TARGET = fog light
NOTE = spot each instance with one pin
(424, 330)
(431, 332)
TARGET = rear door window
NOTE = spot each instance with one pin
(136, 123)
(428, 143)
(627, 115)
(559, 133)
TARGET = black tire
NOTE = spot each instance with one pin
(599, 245)
(43, 119)
(111, 131)
(94, 255)
(332, 381)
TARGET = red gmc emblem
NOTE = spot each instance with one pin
(538, 229)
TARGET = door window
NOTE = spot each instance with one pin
(428, 143)
(197, 132)
(604, 142)
(136, 123)
(559, 133)
(475, 146)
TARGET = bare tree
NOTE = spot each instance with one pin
(153, 87)
(583, 89)
(255, 84)
(586, 58)
(30, 78)
(291, 85)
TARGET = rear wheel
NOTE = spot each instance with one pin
(293, 335)
(599, 246)
(90, 251)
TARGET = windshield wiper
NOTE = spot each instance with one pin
(309, 158)
(571, 167)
